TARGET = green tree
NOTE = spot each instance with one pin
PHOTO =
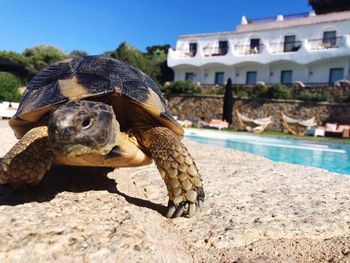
(43, 55)
(15, 57)
(328, 6)
(9, 85)
(132, 56)
(158, 56)
(17, 64)
(78, 53)
(158, 48)
(152, 63)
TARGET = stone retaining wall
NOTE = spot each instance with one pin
(210, 107)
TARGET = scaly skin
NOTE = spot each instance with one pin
(177, 168)
(32, 155)
(28, 160)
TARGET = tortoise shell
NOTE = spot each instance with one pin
(88, 77)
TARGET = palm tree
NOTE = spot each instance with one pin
(328, 6)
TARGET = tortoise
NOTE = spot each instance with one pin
(98, 111)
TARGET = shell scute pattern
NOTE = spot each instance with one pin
(95, 84)
(98, 75)
(50, 75)
(135, 90)
(47, 95)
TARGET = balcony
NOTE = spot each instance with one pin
(242, 50)
(215, 51)
(325, 43)
(303, 52)
(285, 47)
(185, 52)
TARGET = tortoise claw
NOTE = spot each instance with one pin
(200, 204)
(171, 210)
(186, 208)
(179, 210)
(191, 210)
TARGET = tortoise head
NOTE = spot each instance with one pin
(83, 127)
(87, 133)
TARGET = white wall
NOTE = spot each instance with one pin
(268, 36)
(270, 73)
(313, 31)
(210, 70)
(300, 72)
(307, 65)
(241, 72)
(319, 71)
(180, 73)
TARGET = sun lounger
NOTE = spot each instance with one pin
(214, 124)
(185, 123)
(315, 131)
(297, 127)
(7, 109)
(253, 125)
(335, 130)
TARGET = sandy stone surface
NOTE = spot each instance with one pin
(255, 211)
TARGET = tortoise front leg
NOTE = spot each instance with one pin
(178, 170)
(28, 159)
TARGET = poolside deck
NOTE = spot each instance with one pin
(255, 210)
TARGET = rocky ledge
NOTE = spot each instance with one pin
(255, 211)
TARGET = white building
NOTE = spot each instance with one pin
(285, 49)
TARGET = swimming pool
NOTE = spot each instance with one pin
(333, 157)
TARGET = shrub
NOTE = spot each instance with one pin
(241, 91)
(279, 91)
(214, 90)
(260, 91)
(314, 97)
(182, 87)
(9, 85)
(43, 55)
(250, 91)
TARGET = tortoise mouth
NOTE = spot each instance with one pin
(75, 150)
(116, 152)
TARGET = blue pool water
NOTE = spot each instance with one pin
(333, 157)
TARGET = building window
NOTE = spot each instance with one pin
(223, 47)
(219, 78)
(335, 74)
(251, 77)
(290, 45)
(286, 76)
(329, 39)
(254, 45)
(189, 76)
(193, 49)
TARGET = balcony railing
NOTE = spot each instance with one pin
(215, 51)
(325, 43)
(273, 18)
(248, 49)
(185, 52)
(285, 47)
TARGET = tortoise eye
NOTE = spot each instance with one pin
(86, 122)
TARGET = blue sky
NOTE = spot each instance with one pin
(99, 25)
